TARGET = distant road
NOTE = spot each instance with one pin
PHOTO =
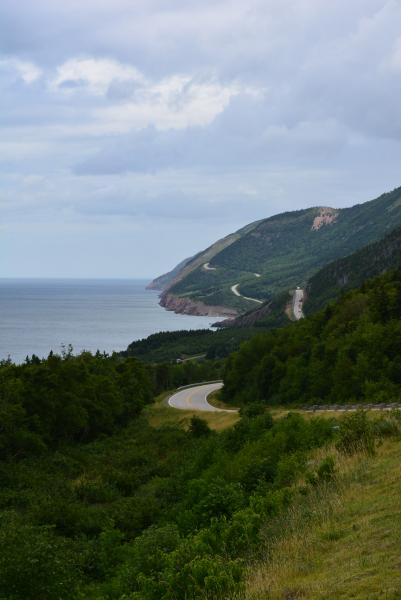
(298, 303)
(234, 289)
(195, 398)
(207, 267)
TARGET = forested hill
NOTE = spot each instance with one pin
(279, 253)
(351, 271)
(349, 352)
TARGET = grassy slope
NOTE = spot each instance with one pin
(346, 543)
(161, 414)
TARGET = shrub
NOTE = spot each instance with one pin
(199, 427)
(356, 434)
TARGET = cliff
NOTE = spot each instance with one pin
(188, 306)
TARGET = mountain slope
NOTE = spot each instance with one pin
(329, 282)
(163, 281)
(273, 255)
(350, 272)
(348, 352)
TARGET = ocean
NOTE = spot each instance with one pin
(37, 316)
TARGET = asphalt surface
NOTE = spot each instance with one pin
(195, 398)
(298, 301)
(234, 289)
(207, 267)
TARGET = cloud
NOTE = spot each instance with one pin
(136, 102)
(128, 112)
(93, 75)
(25, 70)
(176, 102)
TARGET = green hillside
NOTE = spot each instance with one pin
(189, 265)
(153, 508)
(329, 282)
(349, 352)
(351, 271)
(277, 253)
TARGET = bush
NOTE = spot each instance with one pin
(253, 410)
(326, 469)
(199, 427)
(34, 563)
(356, 434)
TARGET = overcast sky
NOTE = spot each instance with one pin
(134, 133)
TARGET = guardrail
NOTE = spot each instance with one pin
(191, 385)
(351, 407)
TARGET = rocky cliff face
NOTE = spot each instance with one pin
(187, 306)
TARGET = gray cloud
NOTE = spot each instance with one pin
(138, 116)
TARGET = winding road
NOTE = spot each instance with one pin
(195, 398)
(234, 289)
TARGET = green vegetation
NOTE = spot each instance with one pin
(182, 345)
(285, 250)
(351, 272)
(160, 414)
(152, 513)
(45, 403)
(149, 513)
(349, 352)
(343, 540)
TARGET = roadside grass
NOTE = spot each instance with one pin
(215, 400)
(160, 414)
(343, 540)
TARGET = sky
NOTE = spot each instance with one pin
(134, 133)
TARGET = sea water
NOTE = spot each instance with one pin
(37, 316)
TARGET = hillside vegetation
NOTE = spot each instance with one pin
(343, 542)
(45, 403)
(184, 345)
(147, 513)
(350, 272)
(283, 251)
(349, 352)
(161, 513)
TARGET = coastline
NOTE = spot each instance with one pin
(188, 306)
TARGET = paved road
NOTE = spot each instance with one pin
(298, 301)
(234, 289)
(195, 398)
(207, 267)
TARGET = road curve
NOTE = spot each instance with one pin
(235, 290)
(207, 267)
(195, 398)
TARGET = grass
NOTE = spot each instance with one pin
(342, 541)
(160, 414)
(215, 400)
